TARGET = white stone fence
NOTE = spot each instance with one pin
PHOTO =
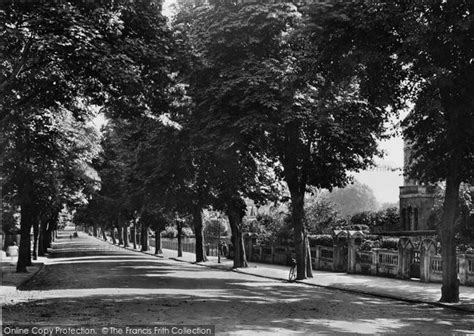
(406, 262)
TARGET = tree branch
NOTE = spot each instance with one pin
(18, 67)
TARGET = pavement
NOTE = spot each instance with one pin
(405, 290)
(413, 290)
(11, 280)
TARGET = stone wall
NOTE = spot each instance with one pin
(378, 262)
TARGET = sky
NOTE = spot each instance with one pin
(166, 7)
(385, 184)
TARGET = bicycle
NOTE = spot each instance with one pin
(292, 275)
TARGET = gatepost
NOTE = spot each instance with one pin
(353, 246)
(317, 257)
(338, 254)
(405, 249)
(427, 250)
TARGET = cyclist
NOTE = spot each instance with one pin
(292, 275)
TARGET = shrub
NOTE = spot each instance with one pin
(367, 245)
(371, 237)
(322, 240)
(464, 248)
(389, 243)
(187, 232)
(170, 232)
(213, 228)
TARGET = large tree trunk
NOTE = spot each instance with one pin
(158, 247)
(199, 233)
(303, 270)
(297, 185)
(36, 225)
(296, 178)
(125, 236)
(450, 288)
(112, 235)
(133, 232)
(235, 220)
(104, 236)
(52, 224)
(24, 256)
(454, 107)
(42, 249)
(139, 235)
(50, 238)
(144, 238)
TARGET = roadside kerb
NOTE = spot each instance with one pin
(12, 286)
(347, 290)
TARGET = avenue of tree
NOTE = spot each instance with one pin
(224, 102)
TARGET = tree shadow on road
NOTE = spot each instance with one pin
(128, 288)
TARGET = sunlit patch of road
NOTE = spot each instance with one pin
(110, 286)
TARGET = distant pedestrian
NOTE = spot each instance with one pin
(12, 252)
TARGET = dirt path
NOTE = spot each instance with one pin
(90, 282)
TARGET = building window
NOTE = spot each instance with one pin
(404, 219)
(409, 219)
(416, 218)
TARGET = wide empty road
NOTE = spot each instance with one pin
(89, 282)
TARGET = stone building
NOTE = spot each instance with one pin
(416, 200)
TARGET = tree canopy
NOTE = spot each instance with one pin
(440, 50)
(353, 198)
(224, 103)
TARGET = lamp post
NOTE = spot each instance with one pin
(179, 225)
(1, 198)
(1, 187)
(2, 151)
(219, 243)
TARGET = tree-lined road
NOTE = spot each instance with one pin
(90, 282)
(227, 101)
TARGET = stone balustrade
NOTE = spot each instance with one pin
(406, 262)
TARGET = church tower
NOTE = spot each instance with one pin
(416, 199)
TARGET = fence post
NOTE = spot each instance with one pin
(337, 254)
(250, 248)
(374, 267)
